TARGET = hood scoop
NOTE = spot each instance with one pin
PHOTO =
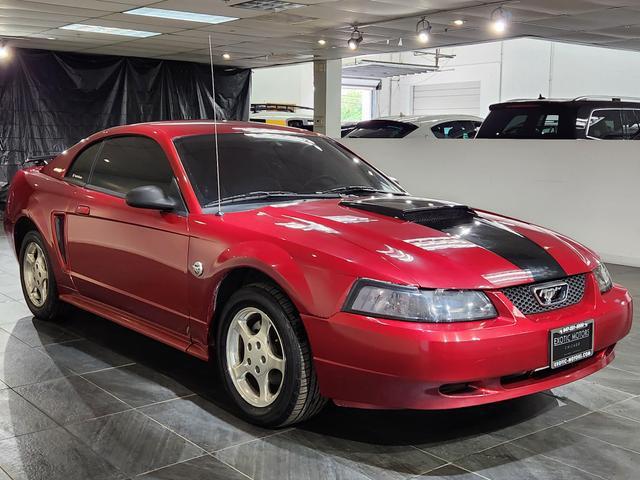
(430, 213)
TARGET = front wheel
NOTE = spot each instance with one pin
(265, 359)
(36, 275)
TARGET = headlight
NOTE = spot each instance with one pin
(604, 279)
(386, 300)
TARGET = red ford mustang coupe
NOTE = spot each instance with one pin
(312, 275)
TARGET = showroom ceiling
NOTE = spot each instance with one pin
(257, 35)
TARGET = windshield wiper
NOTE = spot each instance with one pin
(265, 194)
(261, 195)
(353, 189)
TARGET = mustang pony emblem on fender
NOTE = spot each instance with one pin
(548, 295)
(198, 269)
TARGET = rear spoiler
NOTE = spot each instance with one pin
(277, 107)
(39, 161)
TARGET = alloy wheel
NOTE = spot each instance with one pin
(255, 357)
(35, 274)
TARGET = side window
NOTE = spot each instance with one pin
(631, 124)
(547, 125)
(444, 130)
(456, 129)
(606, 125)
(515, 127)
(81, 167)
(129, 162)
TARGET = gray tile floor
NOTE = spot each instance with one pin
(86, 399)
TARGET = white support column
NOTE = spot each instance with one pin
(327, 82)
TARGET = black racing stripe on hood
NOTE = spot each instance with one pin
(463, 222)
(510, 245)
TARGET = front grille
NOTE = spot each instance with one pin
(523, 298)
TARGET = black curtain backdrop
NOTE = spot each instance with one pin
(51, 100)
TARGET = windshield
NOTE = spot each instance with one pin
(274, 161)
(382, 129)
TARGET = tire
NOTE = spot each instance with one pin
(48, 305)
(296, 391)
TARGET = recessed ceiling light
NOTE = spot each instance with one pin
(268, 5)
(179, 15)
(322, 41)
(79, 27)
(226, 56)
(459, 22)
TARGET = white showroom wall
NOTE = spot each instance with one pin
(594, 71)
(521, 68)
(564, 185)
(288, 84)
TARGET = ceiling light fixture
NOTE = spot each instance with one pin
(500, 20)
(79, 27)
(268, 5)
(423, 30)
(355, 40)
(400, 42)
(459, 22)
(179, 15)
(226, 56)
(322, 41)
(5, 52)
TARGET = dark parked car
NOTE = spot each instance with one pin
(581, 118)
(4, 194)
(347, 128)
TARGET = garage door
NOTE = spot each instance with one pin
(442, 98)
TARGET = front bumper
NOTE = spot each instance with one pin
(376, 363)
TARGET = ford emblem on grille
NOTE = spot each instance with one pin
(551, 293)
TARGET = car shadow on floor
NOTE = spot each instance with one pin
(359, 437)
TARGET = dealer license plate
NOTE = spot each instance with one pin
(571, 344)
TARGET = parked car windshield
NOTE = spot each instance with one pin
(264, 160)
(381, 129)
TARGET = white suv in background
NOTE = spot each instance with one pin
(424, 126)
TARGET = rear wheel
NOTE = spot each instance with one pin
(37, 279)
(265, 359)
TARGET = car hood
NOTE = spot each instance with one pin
(430, 243)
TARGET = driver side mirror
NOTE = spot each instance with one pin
(150, 197)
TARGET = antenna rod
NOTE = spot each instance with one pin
(215, 128)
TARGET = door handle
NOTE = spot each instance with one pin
(83, 210)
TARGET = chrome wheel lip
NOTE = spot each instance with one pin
(251, 358)
(35, 275)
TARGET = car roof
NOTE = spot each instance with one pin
(424, 120)
(170, 129)
(569, 102)
(182, 128)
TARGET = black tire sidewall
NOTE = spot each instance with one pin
(49, 309)
(278, 412)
